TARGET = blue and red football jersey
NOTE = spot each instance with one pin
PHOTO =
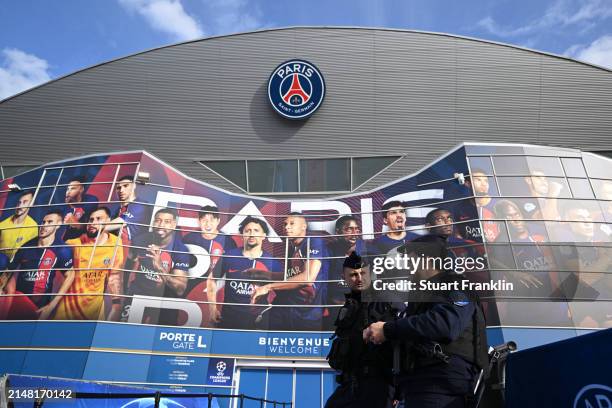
(37, 268)
(4, 261)
(147, 280)
(137, 217)
(529, 255)
(382, 244)
(215, 247)
(309, 248)
(471, 217)
(232, 267)
(80, 212)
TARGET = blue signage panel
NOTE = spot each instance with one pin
(141, 337)
(55, 363)
(120, 367)
(570, 373)
(148, 354)
(182, 340)
(177, 370)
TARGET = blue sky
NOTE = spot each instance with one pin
(41, 40)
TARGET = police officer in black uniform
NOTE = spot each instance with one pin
(365, 375)
(442, 336)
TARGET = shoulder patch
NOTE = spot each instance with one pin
(459, 298)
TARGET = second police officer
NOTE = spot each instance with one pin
(442, 334)
(365, 375)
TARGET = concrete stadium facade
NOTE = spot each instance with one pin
(404, 112)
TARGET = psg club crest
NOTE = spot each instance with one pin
(296, 89)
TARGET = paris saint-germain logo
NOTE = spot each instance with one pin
(296, 89)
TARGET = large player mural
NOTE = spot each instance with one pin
(125, 237)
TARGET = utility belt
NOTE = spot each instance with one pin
(407, 356)
(426, 354)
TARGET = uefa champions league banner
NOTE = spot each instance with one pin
(175, 251)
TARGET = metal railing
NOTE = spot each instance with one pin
(158, 396)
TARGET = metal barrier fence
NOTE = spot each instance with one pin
(157, 397)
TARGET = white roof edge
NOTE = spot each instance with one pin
(568, 149)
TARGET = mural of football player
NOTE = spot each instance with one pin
(528, 257)
(535, 276)
(159, 261)
(252, 263)
(35, 266)
(441, 222)
(97, 262)
(19, 228)
(394, 218)
(348, 232)
(77, 208)
(5, 276)
(132, 214)
(546, 205)
(590, 257)
(473, 231)
(210, 246)
(307, 266)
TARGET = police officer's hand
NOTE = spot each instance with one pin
(374, 333)
(366, 334)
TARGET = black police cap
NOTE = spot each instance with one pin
(430, 245)
(354, 261)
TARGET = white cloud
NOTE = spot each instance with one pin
(599, 52)
(220, 17)
(20, 71)
(167, 16)
(561, 13)
(233, 16)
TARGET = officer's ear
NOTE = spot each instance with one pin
(346, 272)
(367, 275)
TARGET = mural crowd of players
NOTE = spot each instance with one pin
(84, 259)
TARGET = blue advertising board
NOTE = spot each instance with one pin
(571, 373)
(135, 353)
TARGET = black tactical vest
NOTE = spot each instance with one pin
(349, 353)
(471, 345)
